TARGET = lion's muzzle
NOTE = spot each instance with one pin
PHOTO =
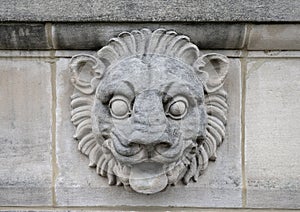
(147, 144)
(149, 132)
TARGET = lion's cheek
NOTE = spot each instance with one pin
(101, 120)
(193, 125)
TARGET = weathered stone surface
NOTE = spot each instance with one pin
(274, 37)
(95, 35)
(23, 36)
(122, 208)
(25, 132)
(92, 36)
(142, 10)
(29, 54)
(273, 54)
(79, 185)
(273, 133)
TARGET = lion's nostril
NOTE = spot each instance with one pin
(105, 136)
(133, 145)
(163, 146)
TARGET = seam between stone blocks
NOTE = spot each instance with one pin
(243, 112)
(53, 127)
(49, 35)
(244, 183)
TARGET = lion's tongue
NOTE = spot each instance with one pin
(148, 178)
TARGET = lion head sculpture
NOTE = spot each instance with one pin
(149, 109)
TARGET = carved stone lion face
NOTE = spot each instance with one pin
(149, 109)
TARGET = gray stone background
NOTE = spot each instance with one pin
(258, 166)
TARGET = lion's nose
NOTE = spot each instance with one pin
(148, 111)
(149, 120)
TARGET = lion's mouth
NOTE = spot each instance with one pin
(145, 176)
(150, 171)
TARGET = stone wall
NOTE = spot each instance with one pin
(258, 166)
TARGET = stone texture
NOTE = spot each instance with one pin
(78, 185)
(23, 36)
(29, 54)
(95, 35)
(92, 36)
(273, 133)
(25, 133)
(141, 10)
(110, 209)
(273, 54)
(134, 209)
(274, 37)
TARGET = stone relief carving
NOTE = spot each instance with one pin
(149, 109)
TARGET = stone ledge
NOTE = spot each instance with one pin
(274, 37)
(23, 36)
(153, 11)
(92, 36)
(95, 35)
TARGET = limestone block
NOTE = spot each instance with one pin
(142, 10)
(78, 185)
(274, 37)
(96, 35)
(23, 36)
(273, 133)
(25, 132)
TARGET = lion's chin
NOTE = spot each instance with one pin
(148, 178)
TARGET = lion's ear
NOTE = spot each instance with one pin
(86, 72)
(212, 69)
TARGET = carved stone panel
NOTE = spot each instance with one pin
(149, 109)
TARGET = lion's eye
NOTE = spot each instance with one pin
(119, 107)
(178, 108)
